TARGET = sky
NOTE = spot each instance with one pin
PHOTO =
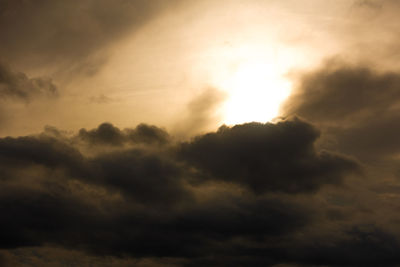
(199, 133)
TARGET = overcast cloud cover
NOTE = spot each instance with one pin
(318, 186)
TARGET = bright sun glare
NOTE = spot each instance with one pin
(255, 91)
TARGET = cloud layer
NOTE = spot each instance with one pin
(140, 193)
(318, 187)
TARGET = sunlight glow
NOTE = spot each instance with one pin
(256, 89)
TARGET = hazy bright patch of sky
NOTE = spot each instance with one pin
(152, 73)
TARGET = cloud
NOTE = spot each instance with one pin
(355, 104)
(338, 91)
(107, 134)
(39, 32)
(202, 111)
(101, 99)
(137, 196)
(256, 194)
(16, 85)
(365, 245)
(267, 157)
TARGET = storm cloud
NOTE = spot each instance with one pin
(135, 166)
(267, 157)
(152, 199)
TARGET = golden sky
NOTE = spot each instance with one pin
(149, 62)
(199, 133)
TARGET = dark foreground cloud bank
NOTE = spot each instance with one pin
(247, 195)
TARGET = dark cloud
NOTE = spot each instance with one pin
(46, 31)
(134, 172)
(361, 245)
(35, 216)
(59, 257)
(49, 152)
(140, 200)
(356, 105)
(18, 86)
(142, 176)
(338, 91)
(267, 157)
(107, 134)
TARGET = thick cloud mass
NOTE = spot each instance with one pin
(355, 106)
(145, 195)
(267, 157)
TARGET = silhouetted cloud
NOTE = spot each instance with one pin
(355, 104)
(267, 157)
(338, 91)
(149, 199)
(107, 134)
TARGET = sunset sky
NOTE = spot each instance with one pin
(199, 133)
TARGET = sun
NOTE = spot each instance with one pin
(255, 91)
